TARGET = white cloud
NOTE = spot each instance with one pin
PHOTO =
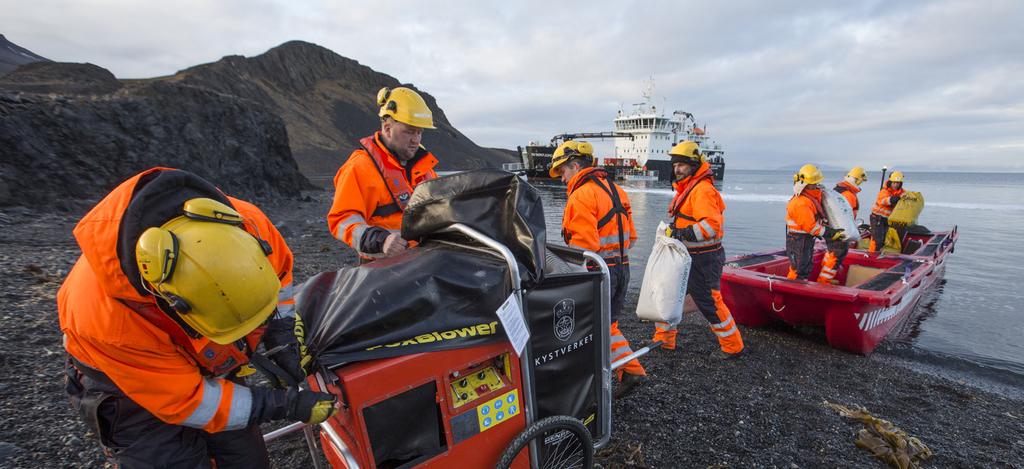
(778, 82)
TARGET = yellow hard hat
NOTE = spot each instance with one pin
(808, 174)
(858, 174)
(406, 106)
(896, 176)
(686, 152)
(567, 151)
(213, 273)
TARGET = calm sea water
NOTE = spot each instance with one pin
(973, 318)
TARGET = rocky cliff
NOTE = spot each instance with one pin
(71, 132)
(328, 103)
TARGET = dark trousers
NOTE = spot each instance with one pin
(619, 276)
(706, 275)
(879, 228)
(137, 439)
(800, 250)
(840, 249)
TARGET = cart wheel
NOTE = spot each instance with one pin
(569, 444)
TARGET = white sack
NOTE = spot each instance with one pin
(664, 287)
(840, 214)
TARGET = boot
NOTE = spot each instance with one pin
(628, 384)
(721, 355)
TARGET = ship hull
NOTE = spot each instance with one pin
(664, 169)
(719, 169)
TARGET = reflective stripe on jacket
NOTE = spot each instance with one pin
(699, 205)
(590, 220)
(372, 188)
(142, 359)
(804, 213)
(882, 206)
(849, 191)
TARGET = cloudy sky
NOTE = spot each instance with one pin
(913, 84)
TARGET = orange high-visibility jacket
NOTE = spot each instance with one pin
(882, 206)
(142, 359)
(697, 205)
(849, 191)
(804, 213)
(590, 204)
(371, 189)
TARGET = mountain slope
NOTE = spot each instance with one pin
(255, 126)
(327, 103)
(12, 56)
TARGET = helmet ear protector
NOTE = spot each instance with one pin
(383, 100)
(157, 250)
(157, 255)
(383, 95)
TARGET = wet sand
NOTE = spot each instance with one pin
(762, 410)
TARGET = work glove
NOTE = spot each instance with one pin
(285, 348)
(833, 234)
(894, 200)
(310, 406)
(373, 239)
(685, 234)
(269, 405)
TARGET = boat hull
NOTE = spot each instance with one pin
(856, 317)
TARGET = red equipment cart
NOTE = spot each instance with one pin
(484, 405)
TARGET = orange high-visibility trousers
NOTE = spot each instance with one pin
(619, 349)
(666, 333)
(829, 268)
(723, 325)
(728, 334)
(703, 286)
(832, 263)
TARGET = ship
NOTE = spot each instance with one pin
(645, 135)
(536, 160)
(643, 138)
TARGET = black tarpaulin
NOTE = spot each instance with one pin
(435, 297)
(497, 203)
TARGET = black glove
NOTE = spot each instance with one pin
(894, 200)
(372, 241)
(293, 403)
(310, 406)
(685, 234)
(833, 234)
(280, 335)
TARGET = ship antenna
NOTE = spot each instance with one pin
(649, 89)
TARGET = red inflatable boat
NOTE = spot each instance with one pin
(874, 292)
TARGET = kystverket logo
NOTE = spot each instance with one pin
(565, 318)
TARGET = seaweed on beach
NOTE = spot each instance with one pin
(885, 440)
(621, 455)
